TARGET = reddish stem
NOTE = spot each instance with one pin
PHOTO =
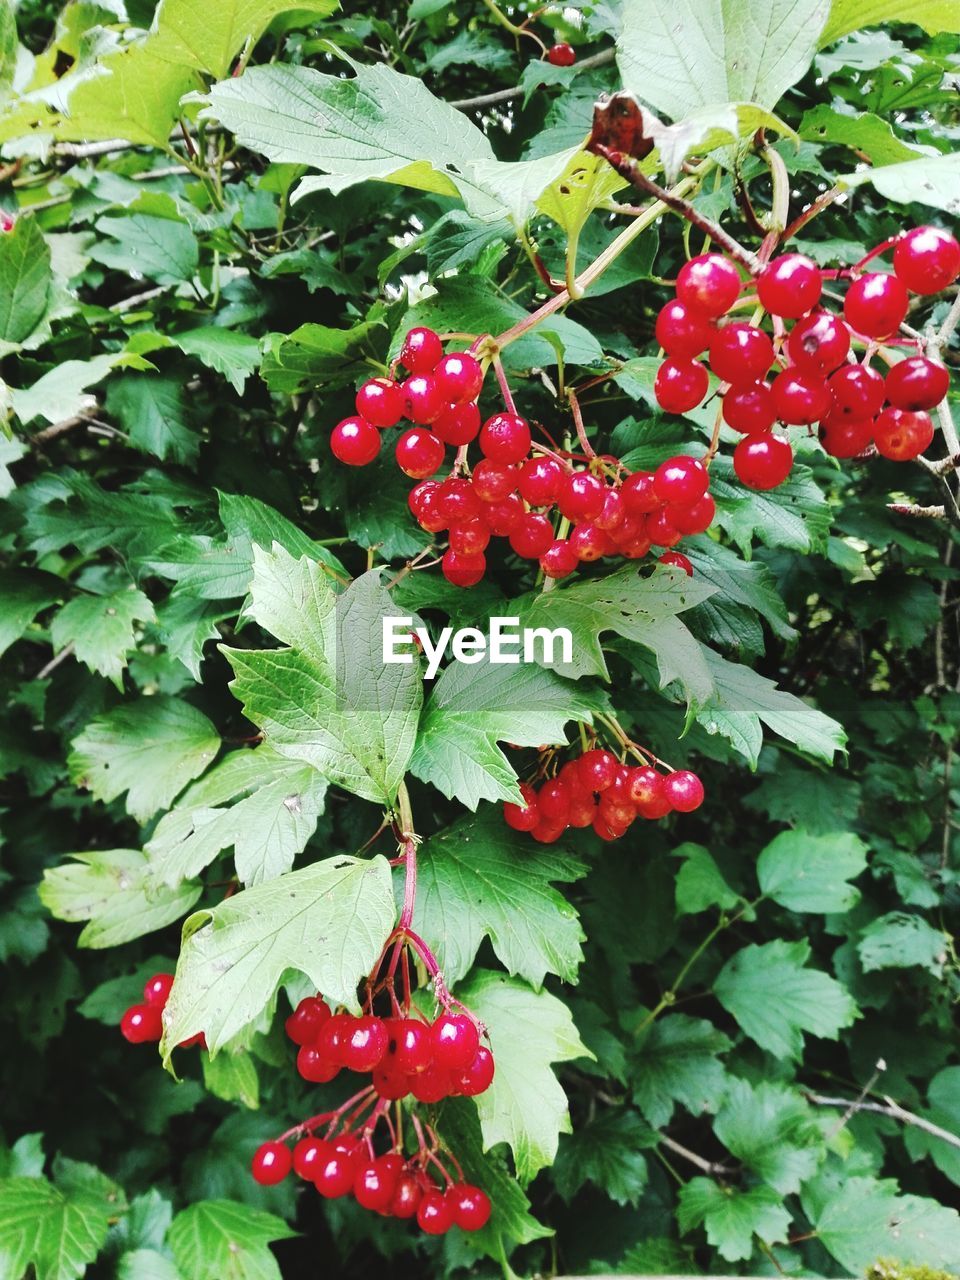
(504, 384)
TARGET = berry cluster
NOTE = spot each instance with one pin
(143, 1023)
(406, 1055)
(597, 790)
(391, 1184)
(817, 378)
(517, 485)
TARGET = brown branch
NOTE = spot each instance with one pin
(59, 428)
(888, 1108)
(811, 211)
(912, 509)
(711, 1167)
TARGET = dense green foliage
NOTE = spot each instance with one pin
(203, 266)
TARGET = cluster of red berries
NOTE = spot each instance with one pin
(143, 1023)
(817, 379)
(390, 1184)
(406, 1055)
(516, 484)
(596, 790)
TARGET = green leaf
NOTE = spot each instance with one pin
(480, 879)
(860, 130)
(10, 451)
(475, 706)
(818, 801)
(161, 249)
(328, 699)
(210, 39)
(676, 1061)
(23, 594)
(150, 748)
(329, 921)
(771, 1130)
(775, 999)
(732, 1218)
(152, 409)
(8, 47)
(795, 515)
(679, 56)
(61, 393)
(933, 16)
(235, 355)
(110, 890)
(929, 180)
(605, 1152)
(743, 700)
(586, 183)
(943, 1097)
(58, 1227)
(223, 1240)
(259, 803)
(232, 1077)
(639, 608)
(899, 940)
(525, 1106)
(744, 588)
(25, 280)
(710, 129)
(249, 522)
(700, 882)
(102, 629)
(863, 1219)
(145, 1264)
(314, 355)
(805, 872)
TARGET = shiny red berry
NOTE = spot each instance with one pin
(505, 438)
(271, 1163)
(306, 1157)
(435, 1213)
(421, 350)
(677, 560)
(463, 570)
(749, 408)
(581, 496)
(380, 401)
(846, 437)
(419, 453)
(471, 1206)
(927, 259)
(681, 332)
(493, 481)
(412, 1046)
(316, 1066)
(457, 500)
(708, 284)
(364, 1044)
(459, 377)
(523, 817)
(680, 385)
(789, 285)
(561, 55)
(696, 518)
(559, 561)
(505, 516)
(423, 402)
(304, 1024)
(684, 790)
(142, 1024)
(553, 800)
(335, 1173)
(857, 390)
(762, 462)
(455, 1040)
(375, 1182)
(681, 480)
(660, 528)
(901, 435)
(423, 501)
(458, 424)
(532, 535)
(638, 493)
(597, 769)
(540, 481)
(917, 383)
(157, 989)
(646, 792)
(819, 343)
(469, 538)
(407, 1195)
(355, 441)
(876, 305)
(432, 1085)
(741, 354)
(800, 398)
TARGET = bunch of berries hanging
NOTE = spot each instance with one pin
(143, 1023)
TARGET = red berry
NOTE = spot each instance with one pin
(315, 1065)
(332, 1035)
(142, 1024)
(917, 383)
(553, 800)
(709, 284)
(532, 536)
(522, 817)
(927, 259)
(638, 493)
(335, 1173)
(505, 516)
(762, 462)
(423, 401)
(271, 1163)
(800, 398)
(435, 1213)
(678, 560)
(432, 1085)
(459, 377)
(389, 1082)
(412, 1046)
(493, 481)
(304, 1024)
(819, 343)
(457, 501)
(364, 1044)
(857, 390)
(561, 55)
(680, 385)
(463, 570)
(646, 792)
(419, 453)
(376, 1180)
(548, 832)
(681, 480)
(421, 350)
(558, 561)
(741, 354)
(540, 481)
(684, 790)
(469, 538)
(661, 530)
(681, 332)
(455, 1040)
(355, 442)
(613, 513)
(157, 989)
(306, 1157)
(876, 305)
(846, 437)
(406, 1197)
(750, 408)
(458, 424)
(901, 435)
(423, 501)
(789, 285)
(581, 496)
(380, 401)
(471, 1206)
(505, 438)
(597, 769)
(696, 518)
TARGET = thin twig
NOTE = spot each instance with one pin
(708, 1166)
(888, 1108)
(55, 661)
(504, 95)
